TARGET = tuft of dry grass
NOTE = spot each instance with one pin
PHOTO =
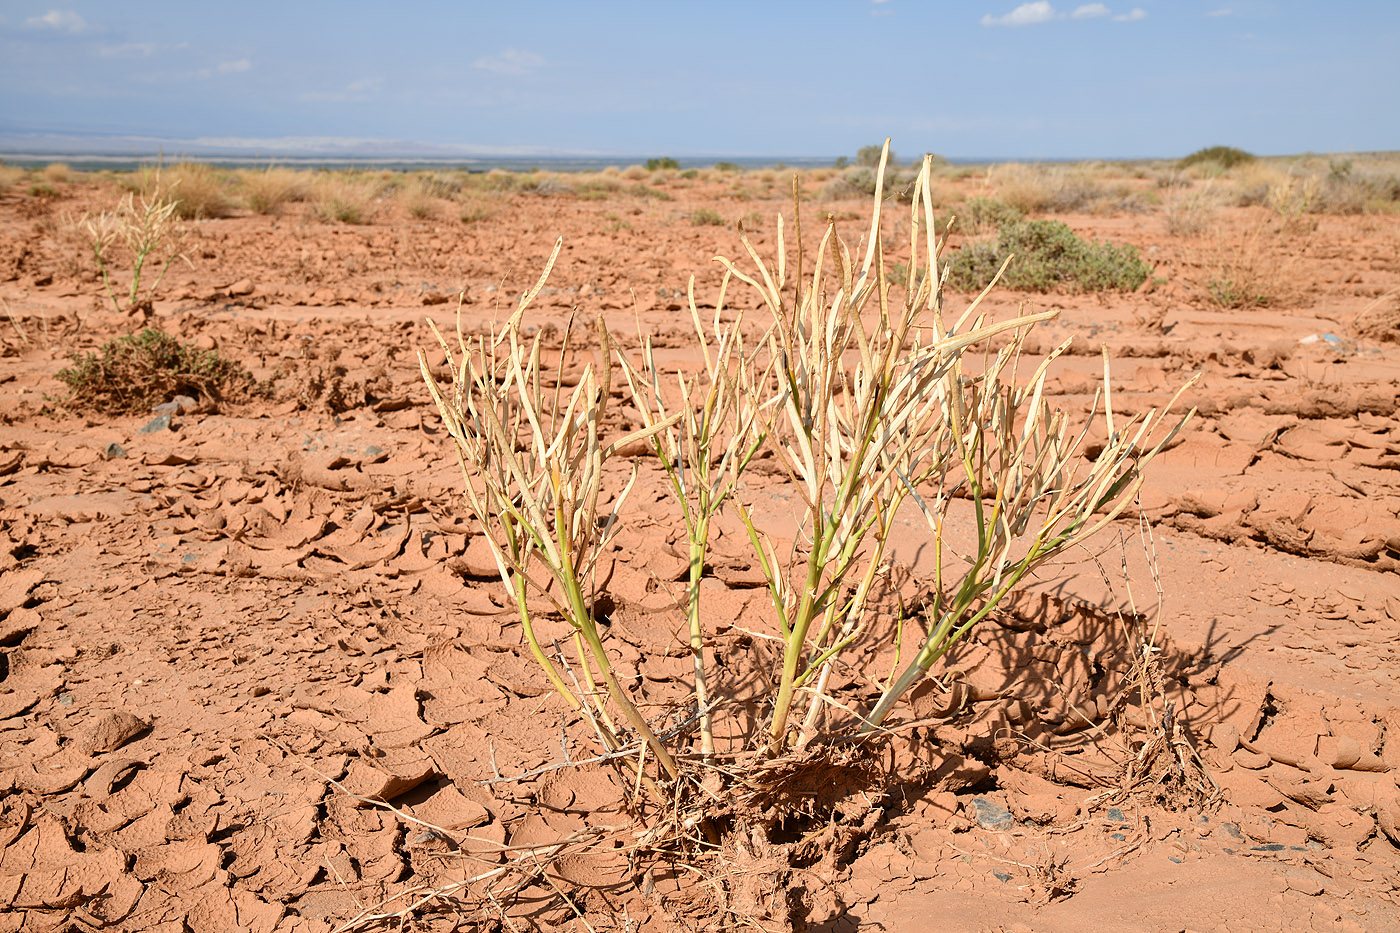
(345, 198)
(1237, 271)
(267, 190)
(11, 175)
(1188, 211)
(421, 197)
(198, 190)
(57, 173)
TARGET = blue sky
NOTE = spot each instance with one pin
(982, 79)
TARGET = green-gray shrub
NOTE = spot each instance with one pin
(1048, 257)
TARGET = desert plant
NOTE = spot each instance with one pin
(267, 190)
(149, 232)
(533, 463)
(658, 164)
(704, 217)
(1227, 157)
(1048, 256)
(133, 372)
(346, 199)
(11, 175)
(1238, 272)
(198, 190)
(864, 404)
(1188, 211)
(982, 214)
(421, 199)
(57, 173)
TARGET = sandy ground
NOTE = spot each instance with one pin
(215, 634)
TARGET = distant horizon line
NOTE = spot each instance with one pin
(17, 145)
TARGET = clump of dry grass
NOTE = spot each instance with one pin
(198, 190)
(57, 173)
(1188, 211)
(345, 198)
(421, 197)
(267, 190)
(11, 175)
(1039, 189)
(1237, 271)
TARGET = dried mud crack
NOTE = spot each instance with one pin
(255, 673)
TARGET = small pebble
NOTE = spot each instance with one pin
(114, 452)
(156, 424)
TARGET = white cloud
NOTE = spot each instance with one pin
(59, 21)
(1222, 12)
(510, 62)
(1132, 16)
(1026, 14)
(1089, 11)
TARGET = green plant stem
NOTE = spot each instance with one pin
(699, 537)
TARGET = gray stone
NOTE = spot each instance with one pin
(156, 424)
(991, 815)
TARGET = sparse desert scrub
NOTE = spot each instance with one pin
(1040, 189)
(634, 172)
(474, 209)
(345, 198)
(1048, 257)
(198, 190)
(865, 406)
(11, 175)
(57, 173)
(984, 215)
(132, 373)
(421, 197)
(266, 190)
(1188, 210)
(1236, 271)
(1216, 158)
(705, 217)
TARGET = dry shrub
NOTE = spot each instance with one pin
(1238, 271)
(198, 190)
(267, 190)
(1188, 211)
(421, 198)
(634, 172)
(346, 199)
(1255, 180)
(474, 209)
(57, 173)
(134, 372)
(1039, 189)
(1380, 320)
(11, 175)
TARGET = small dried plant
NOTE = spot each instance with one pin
(146, 230)
(863, 402)
(533, 462)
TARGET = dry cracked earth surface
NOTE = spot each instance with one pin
(230, 634)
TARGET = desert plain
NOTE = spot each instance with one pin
(258, 673)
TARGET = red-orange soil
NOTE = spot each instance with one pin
(212, 632)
